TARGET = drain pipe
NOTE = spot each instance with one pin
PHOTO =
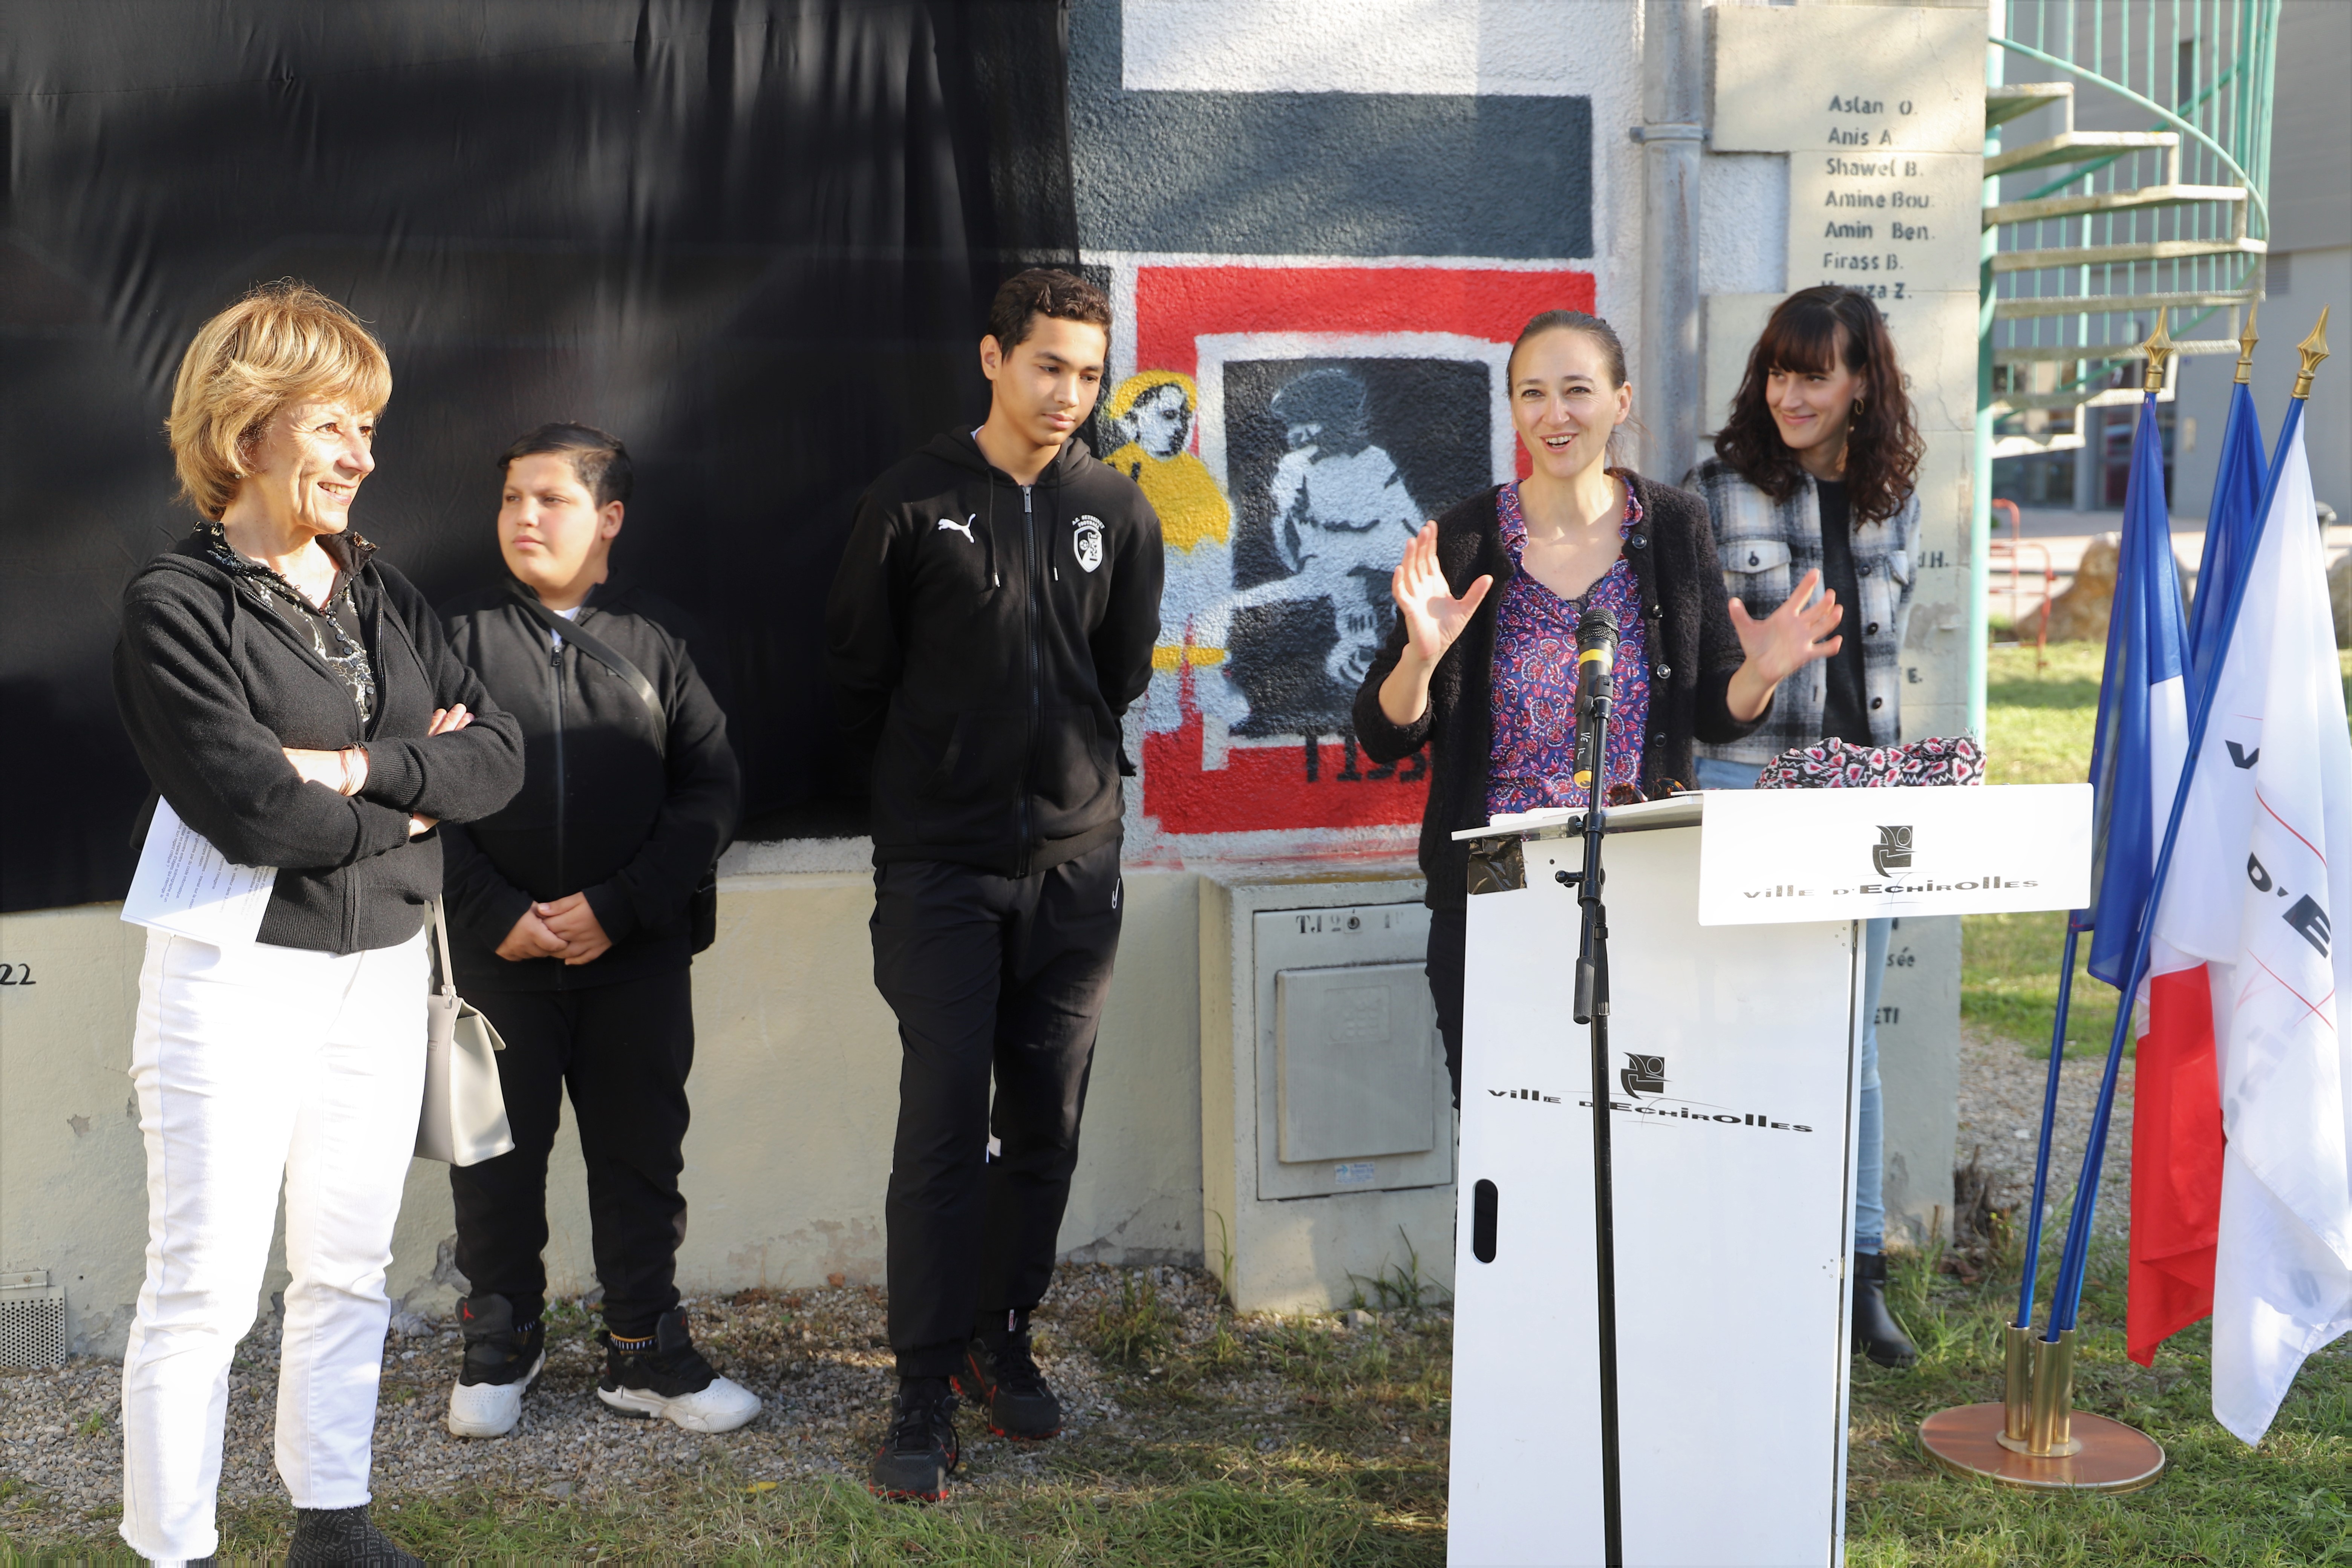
(1673, 88)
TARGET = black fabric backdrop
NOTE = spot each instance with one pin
(756, 238)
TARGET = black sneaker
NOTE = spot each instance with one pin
(344, 1535)
(501, 1362)
(918, 1453)
(1001, 1377)
(670, 1380)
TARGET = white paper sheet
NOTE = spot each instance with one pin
(185, 886)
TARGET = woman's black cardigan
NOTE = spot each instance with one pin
(213, 681)
(1694, 653)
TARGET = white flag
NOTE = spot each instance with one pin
(2260, 887)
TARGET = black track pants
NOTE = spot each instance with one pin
(625, 1050)
(1000, 976)
(1449, 935)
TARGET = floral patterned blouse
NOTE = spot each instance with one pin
(1533, 762)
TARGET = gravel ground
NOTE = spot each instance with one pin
(2001, 1121)
(817, 1358)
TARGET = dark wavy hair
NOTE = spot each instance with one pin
(1809, 330)
(1044, 292)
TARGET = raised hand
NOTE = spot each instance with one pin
(1434, 617)
(1781, 644)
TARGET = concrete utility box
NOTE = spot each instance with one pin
(1327, 1123)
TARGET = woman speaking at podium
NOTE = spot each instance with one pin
(1481, 664)
(1814, 472)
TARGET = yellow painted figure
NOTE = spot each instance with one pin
(1154, 410)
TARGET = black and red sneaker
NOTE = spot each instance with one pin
(1000, 1378)
(918, 1453)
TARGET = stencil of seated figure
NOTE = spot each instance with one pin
(1342, 517)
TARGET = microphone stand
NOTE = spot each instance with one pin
(1592, 1008)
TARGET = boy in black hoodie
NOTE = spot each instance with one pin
(573, 917)
(993, 616)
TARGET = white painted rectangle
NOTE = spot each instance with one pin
(1731, 1237)
(1779, 856)
(1857, 79)
(1519, 48)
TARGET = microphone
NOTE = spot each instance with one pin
(1596, 656)
(1596, 662)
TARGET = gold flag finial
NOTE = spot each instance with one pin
(2158, 348)
(2246, 342)
(2313, 348)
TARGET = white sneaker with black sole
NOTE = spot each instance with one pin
(669, 1381)
(502, 1364)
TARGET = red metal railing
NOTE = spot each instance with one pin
(2011, 550)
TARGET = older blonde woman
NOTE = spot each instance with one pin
(295, 702)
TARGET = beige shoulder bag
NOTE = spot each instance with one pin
(464, 1118)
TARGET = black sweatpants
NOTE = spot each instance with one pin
(999, 977)
(624, 1049)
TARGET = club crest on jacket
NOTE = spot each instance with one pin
(1086, 541)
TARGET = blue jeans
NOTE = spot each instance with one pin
(1869, 1164)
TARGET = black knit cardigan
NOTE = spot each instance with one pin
(1694, 653)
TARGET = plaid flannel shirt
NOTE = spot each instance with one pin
(1768, 546)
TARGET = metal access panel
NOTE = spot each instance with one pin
(1351, 1088)
(1352, 1049)
(32, 1321)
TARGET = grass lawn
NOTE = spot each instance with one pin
(2218, 1502)
(2039, 725)
(1297, 1443)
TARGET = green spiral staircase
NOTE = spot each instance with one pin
(2089, 232)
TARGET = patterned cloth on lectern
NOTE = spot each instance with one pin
(1533, 761)
(1841, 764)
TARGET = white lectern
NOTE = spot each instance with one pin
(1733, 1027)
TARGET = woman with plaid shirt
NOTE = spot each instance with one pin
(1815, 471)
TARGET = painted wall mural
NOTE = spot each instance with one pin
(1294, 425)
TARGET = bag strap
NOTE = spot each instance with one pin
(596, 648)
(448, 986)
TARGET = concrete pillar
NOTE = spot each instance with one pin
(1667, 387)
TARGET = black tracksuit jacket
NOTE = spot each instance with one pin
(214, 681)
(602, 810)
(985, 638)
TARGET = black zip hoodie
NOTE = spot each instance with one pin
(213, 680)
(985, 638)
(605, 809)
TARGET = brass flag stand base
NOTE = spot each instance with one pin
(2034, 1439)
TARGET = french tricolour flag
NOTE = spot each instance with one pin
(2136, 761)
(2258, 897)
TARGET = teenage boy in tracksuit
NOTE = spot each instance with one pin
(573, 917)
(993, 616)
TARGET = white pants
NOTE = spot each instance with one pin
(254, 1063)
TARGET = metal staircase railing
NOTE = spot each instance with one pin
(2168, 213)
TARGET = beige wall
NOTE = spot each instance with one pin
(795, 1089)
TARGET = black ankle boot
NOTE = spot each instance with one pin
(1877, 1334)
(344, 1535)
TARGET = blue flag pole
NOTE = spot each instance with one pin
(2049, 1127)
(2067, 1298)
(2231, 515)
